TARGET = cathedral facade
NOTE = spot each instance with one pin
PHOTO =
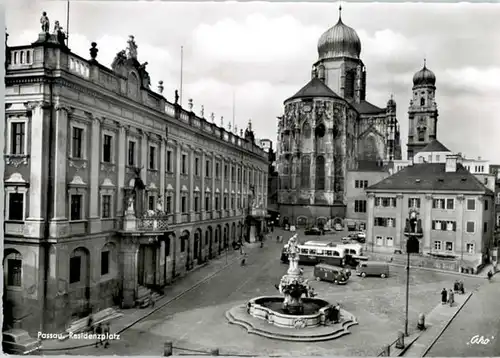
(329, 128)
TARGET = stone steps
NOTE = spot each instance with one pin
(145, 297)
(81, 325)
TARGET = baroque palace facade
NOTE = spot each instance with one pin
(110, 189)
(329, 128)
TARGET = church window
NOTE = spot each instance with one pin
(307, 130)
(349, 83)
(305, 172)
(421, 134)
(422, 101)
(320, 173)
(320, 130)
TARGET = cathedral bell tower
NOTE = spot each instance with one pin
(423, 113)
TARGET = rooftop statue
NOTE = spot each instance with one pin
(131, 48)
(44, 20)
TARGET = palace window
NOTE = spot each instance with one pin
(106, 206)
(233, 174)
(361, 184)
(196, 203)
(414, 203)
(217, 202)
(385, 202)
(437, 245)
(184, 164)
(207, 168)
(107, 148)
(438, 203)
(207, 202)
(14, 270)
(151, 202)
(217, 170)
(183, 204)
(450, 204)
(470, 248)
(77, 143)
(239, 175)
(75, 265)
(360, 206)
(18, 138)
(471, 204)
(152, 157)
(471, 226)
(449, 246)
(197, 166)
(16, 206)
(224, 207)
(441, 225)
(169, 162)
(168, 204)
(132, 155)
(379, 240)
(104, 263)
(76, 207)
(226, 172)
(384, 222)
(389, 241)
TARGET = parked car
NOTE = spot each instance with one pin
(347, 240)
(19, 342)
(338, 227)
(313, 231)
(358, 236)
(373, 268)
(330, 273)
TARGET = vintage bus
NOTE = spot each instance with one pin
(315, 252)
(354, 252)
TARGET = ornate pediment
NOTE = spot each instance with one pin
(126, 64)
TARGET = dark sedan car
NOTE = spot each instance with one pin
(313, 231)
(18, 341)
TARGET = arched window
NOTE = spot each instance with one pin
(349, 83)
(370, 148)
(320, 130)
(306, 130)
(305, 172)
(422, 101)
(320, 173)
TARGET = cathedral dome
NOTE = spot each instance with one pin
(424, 77)
(339, 41)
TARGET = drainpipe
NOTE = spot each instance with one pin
(50, 195)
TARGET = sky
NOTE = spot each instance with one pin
(262, 52)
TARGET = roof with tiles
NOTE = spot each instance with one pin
(431, 177)
(434, 146)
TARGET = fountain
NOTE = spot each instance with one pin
(291, 316)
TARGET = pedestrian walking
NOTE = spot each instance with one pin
(98, 332)
(444, 296)
(456, 286)
(151, 299)
(107, 332)
(461, 287)
(90, 323)
(451, 297)
(490, 275)
(337, 313)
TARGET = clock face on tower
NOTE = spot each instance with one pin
(307, 108)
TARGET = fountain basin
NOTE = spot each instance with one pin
(269, 308)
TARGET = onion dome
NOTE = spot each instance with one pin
(424, 77)
(391, 102)
(339, 41)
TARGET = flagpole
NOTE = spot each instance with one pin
(234, 109)
(182, 60)
(67, 24)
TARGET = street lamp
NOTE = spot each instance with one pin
(413, 231)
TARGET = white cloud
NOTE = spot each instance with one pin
(257, 39)
(485, 80)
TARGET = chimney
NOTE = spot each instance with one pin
(451, 163)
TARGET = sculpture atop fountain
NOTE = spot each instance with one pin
(293, 285)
